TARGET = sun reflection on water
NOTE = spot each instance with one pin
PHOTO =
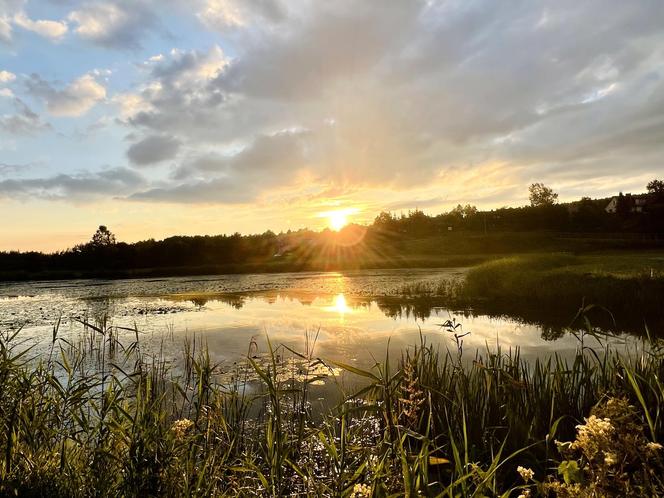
(340, 305)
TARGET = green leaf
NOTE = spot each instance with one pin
(571, 472)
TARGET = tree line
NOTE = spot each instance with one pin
(389, 233)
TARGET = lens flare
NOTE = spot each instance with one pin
(338, 220)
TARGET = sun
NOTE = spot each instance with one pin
(337, 220)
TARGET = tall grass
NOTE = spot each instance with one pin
(103, 418)
(547, 289)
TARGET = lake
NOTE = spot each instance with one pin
(351, 314)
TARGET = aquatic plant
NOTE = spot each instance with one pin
(94, 419)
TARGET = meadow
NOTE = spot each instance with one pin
(99, 417)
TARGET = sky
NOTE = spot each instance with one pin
(165, 117)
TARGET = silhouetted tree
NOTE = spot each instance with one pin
(464, 211)
(541, 195)
(656, 188)
(385, 221)
(102, 237)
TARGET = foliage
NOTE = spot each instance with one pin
(392, 240)
(548, 289)
(656, 187)
(541, 195)
(104, 418)
(656, 190)
(102, 237)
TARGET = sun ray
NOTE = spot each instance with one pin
(338, 218)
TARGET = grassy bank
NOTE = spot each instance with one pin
(102, 418)
(625, 289)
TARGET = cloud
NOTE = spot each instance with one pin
(153, 149)
(178, 93)
(75, 99)
(7, 168)
(405, 94)
(8, 8)
(54, 30)
(223, 14)
(23, 122)
(5, 30)
(267, 161)
(344, 42)
(84, 186)
(6, 77)
(428, 97)
(118, 24)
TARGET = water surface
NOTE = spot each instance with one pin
(352, 315)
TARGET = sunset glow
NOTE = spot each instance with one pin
(338, 218)
(338, 221)
(319, 212)
(235, 125)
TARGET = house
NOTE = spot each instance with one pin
(633, 203)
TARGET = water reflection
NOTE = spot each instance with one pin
(553, 324)
(350, 325)
(340, 306)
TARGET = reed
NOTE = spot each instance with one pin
(100, 417)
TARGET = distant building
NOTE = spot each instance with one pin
(633, 203)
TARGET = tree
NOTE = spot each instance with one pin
(464, 211)
(102, 237)
(385, 220)
(541, 195)
(656, 188)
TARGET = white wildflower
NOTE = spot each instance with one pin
(610, 458)
(526, 473)
(180, 427)
(594, 436)
(361, 491)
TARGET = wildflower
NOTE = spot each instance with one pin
(610, 458)
(525, 494)
(361, 491)
(594, 436)
(180, 427)
(596, 426)
(653, 447)
(526, 473)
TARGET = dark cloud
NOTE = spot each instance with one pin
(153, 149)
(74, 187)
(340, 41)
(216, 191)
(270, 160)
(7, 168)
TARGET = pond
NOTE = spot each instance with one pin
(351, 316)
